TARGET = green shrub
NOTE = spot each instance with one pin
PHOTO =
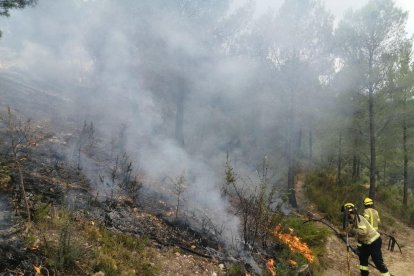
(105, 264)
(235, 270)
(314, 236)
(118, 252)
(67, 253)
(389, 199)
(63, 253)
(321, 188)
(41, 213)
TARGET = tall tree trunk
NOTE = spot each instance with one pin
(372, 167)
(356, 157)
(354, 167)
(310, 145)
(291, 182)
(79, 157)
(373, 164)
(179, 121)
(404, 128)
(291, 155)
(299, 141)
(339, 164)
(358, 171)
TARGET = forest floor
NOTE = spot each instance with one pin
(335, 259)
(171, 260)
(17, 256)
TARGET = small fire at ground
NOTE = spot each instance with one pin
(270, 265)
(294, 243)
(292, 262)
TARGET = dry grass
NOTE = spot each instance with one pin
(80, 246)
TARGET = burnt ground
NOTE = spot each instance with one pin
(14, 255)
(53, 181)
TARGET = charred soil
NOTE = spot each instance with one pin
(73, 231)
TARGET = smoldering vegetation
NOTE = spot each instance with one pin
(154, 97)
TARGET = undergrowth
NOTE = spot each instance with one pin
(289, 262)
(78, 246)
(321, 188)
(390, 199)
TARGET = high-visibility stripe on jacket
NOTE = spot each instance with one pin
(373, 217)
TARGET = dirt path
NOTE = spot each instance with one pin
(401, 264)
(335, 259)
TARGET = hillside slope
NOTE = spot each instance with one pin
(335, 260)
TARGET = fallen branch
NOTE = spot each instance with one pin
(391, 242)
(189, 250)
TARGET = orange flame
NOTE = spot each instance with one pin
(247, 274)
(292, 262)
(270, 265)
(294, 243)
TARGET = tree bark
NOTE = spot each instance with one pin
(373, 164)
(310, 145)
(299, 141)
(373, 167)
(358, 171)
(404, 128)
(291, 157)
(339, 164)
(354, 167)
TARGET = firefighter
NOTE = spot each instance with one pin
(369, 239)
(370, 213)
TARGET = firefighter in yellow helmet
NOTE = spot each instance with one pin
(369, 239)
(370, 213)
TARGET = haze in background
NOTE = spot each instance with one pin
(338, 8)
(175, 83)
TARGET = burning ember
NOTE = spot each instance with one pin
(270, 265)
(294, 243)
(292, 262)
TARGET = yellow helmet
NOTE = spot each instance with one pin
(350, 207)
(368, 201)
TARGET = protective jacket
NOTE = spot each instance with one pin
(364, 231)
(370, 241)
(372, 216)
